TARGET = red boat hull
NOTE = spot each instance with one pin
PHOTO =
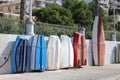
(80, 49)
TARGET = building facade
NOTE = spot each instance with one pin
(115, 4)
(13, 6)
(115, 9)
(10, 6)
(105, 5)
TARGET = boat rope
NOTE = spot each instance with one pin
(5, 61)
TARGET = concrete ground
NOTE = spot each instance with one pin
(107, 72)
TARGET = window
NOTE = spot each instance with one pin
(118, 0)
(16, 7)
(9, 8)
(1, 9)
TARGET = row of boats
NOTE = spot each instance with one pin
(39, 54)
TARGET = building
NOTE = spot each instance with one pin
(3, 1)
(115, 4)
(13, 6)
(105, 5)
(10, 6)
(102, 3)
(39, 3)
(54, 1)
(109, 6)
(115, 9)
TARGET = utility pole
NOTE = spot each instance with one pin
(30, 23)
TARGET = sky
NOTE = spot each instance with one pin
(91, 0)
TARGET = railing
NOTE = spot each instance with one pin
(15, 26)
(53, 29)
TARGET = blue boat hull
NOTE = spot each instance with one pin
(38, 53)
(21, 55)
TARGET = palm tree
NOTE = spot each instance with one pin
(22, 9)
(96, 7)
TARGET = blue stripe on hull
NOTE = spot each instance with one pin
(13, 53)
(40, 60)
(38, 50)
(44, 55)
(27, 57)
(21, 55)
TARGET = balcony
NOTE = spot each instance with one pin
(3, 0)
(103, 2)
(118, 18)
(49, 1)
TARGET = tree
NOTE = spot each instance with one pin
(80, 11)
(70, 4)
(82, 15)
(72, 11)
(22, 9)
(54, 13)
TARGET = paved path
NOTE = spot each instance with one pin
(108, 72)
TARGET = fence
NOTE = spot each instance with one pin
(49, 29)
(15, 26)
(53, 29)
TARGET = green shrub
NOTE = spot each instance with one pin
(11, 26)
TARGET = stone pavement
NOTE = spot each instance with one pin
(107, 72)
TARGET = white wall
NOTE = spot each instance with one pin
(7, 41)
(6, 46)
(109, 53)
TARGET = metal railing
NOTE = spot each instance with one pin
(15, 26)
(53, 29)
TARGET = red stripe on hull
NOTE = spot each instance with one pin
(84, 50)
(101, 43)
